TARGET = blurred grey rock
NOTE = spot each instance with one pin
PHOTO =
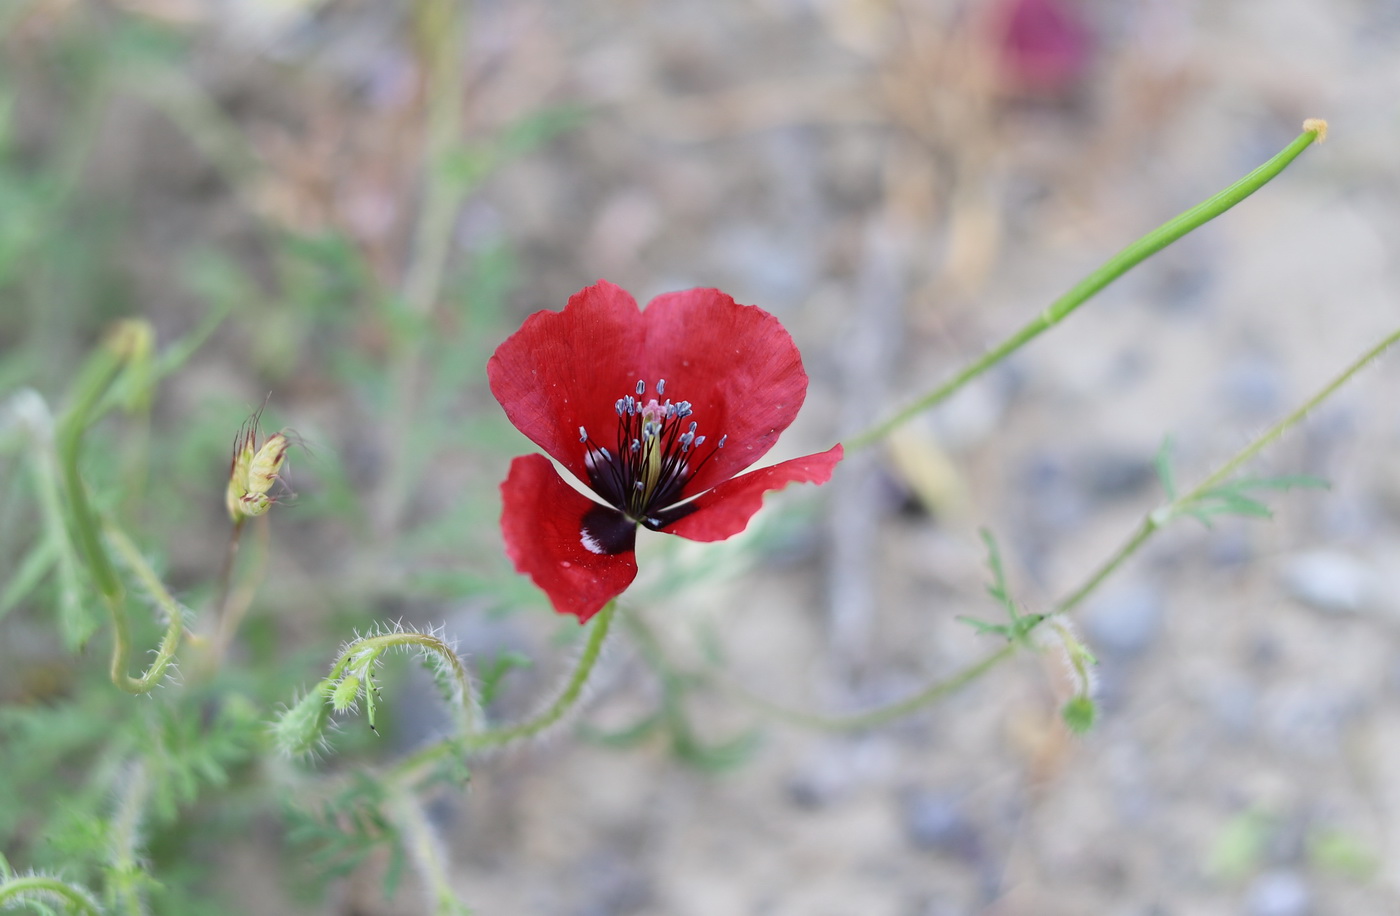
(1056, 503)
(1252, 387)
(935, 821)
(1233, 704)
(1329, 580)
(1307, 720)
(1279, 893)
(1114, 475)
(830, 774)
(1229, 548)
(1126, 620)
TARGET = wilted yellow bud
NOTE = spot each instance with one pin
(253, 471)
(132, 339)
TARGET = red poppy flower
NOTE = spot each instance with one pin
(655, 412)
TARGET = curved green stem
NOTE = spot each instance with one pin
(546, 718)
(28, 887)
(367, 649)
(174, 614)
(1111, 270)
(573, 689)
(96, 375)
(1160, 516)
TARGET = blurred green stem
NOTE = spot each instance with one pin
(30, 887)
(126, 871)
(439, 27)
(127, 339)
(169, 608)
(424, 847)
(1114, 268)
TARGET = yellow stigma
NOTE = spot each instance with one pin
(652, 453)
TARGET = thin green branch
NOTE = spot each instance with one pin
(174, 614)
(1111, 270)
(424, 847)
(1163, 514)
(879, 716)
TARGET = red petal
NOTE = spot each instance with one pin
(543, 523)
(726, 510)
(735, 364)
(565, 370)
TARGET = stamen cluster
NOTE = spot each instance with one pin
(651, 464)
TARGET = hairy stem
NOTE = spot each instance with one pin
(1111, 270)
(125, 833)
(551, 715)
(424, 847)
(371, 646)
(573, 689)
(174, 615)
(29, 887)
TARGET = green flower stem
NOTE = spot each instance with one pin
(879, 716)
(174, 615)
(1163, 514)
(569, 696)
(1114, 268)
(125, 871)
(424, 847)
(599, 628)
(17, 890)
(223, 630)
(92, 381)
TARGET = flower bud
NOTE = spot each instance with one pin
(346, 693)
(253, 471)
(301, 728)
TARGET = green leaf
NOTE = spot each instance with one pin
(501, 665)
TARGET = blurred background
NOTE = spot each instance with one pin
(352, 202)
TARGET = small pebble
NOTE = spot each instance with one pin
(1329, 580)
(1252, 387)
(1279, 893)
(1125, 621)
(1113, 475)
(935, 821)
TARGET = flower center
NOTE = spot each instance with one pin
(658, 452)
